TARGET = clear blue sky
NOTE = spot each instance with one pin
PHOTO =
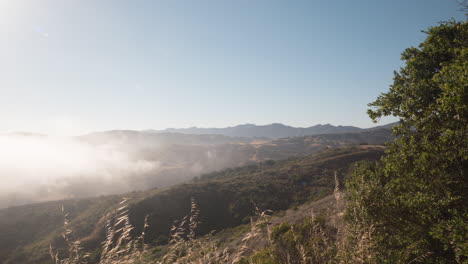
(74, 66)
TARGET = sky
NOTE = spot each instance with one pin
(70, 67)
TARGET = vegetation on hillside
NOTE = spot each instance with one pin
(416, 198)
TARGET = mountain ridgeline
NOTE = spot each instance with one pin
(274, 131)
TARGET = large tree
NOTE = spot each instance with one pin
(415, 198)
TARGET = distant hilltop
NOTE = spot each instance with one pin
(273, 131)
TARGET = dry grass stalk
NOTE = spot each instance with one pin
(262, 219)
(118, 247)
(354, 242)
(184, 247)
(74, 249)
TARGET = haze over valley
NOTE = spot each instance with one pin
(40, 168)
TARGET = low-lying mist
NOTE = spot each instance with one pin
(39, 168)
(35, 168)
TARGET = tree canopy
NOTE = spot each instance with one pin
(415, 198)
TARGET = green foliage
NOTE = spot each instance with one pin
(308, 242)
(416, 197)
(232, 172)
(262, 257)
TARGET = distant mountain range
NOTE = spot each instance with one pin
(272, 131)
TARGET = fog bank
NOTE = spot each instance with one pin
(39, 168)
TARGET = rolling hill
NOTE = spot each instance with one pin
(225, 199)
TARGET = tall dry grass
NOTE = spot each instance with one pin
(75, 251)
(330, 241)
(184, 246)
(118, 247)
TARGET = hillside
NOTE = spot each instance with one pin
(225, 199)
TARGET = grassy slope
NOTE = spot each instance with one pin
(224, 199)
(230, 239)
